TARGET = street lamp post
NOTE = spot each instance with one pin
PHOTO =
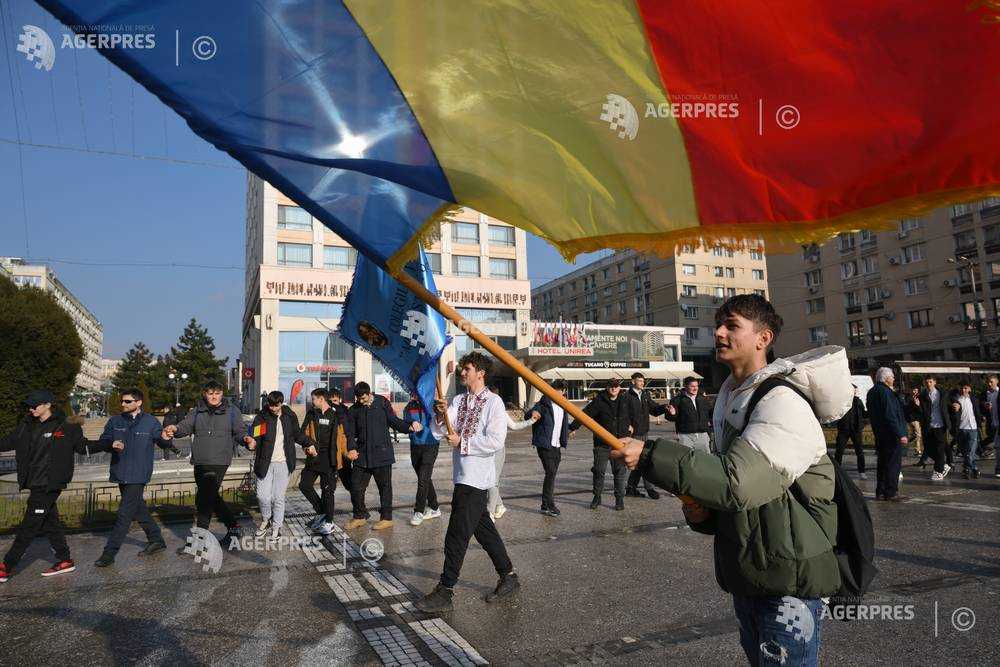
(177, 379)
(975, 305)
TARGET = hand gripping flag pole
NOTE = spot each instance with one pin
(440, 393)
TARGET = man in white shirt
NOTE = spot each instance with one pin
(479, 420)
(966, 419)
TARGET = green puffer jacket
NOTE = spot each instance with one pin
(767, 543)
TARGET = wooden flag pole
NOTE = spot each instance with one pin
(441, 396)
(503, 355)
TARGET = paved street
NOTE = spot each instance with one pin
(633, 587)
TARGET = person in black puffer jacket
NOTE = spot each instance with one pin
(45, 443)
(609, 409)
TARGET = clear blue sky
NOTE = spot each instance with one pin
(87, 206)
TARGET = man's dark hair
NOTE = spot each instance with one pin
(559, 384)
(134, 393)
(212, 385)
(689, 379)
(319, 392)
(612, 383)
(479, 361)
(753, 307)
(637, 375)
(335, 392)
(362, 389)
(275, 398)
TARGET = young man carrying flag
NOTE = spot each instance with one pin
(480, 422)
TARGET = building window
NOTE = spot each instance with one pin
(817, 334)
(488, 315)
(465, 233)
(607, 290)
(572, 303)
(689, 312)
(340, 258)
(320, 309)
(921, 318)
(851, 299)
(872, 295)
(717, 251)
(869, 264)
(845, 241)
(917, 285)
(719, 292)
(621, 308)
(868, 237)
(293, 217)
(607, 311)
(759, 292)
(730, 272)
(730, 291)
(622, 286)
(908, 225)
(756, 254)
(687, 248)
(465, 265)
(717, 271)
(757, 274)
(688, 269)
(814, 278)
(621, 267)
(434, 260)
(328, 361)
(638, 304)
(560, 290)
(991, 237)
(605, 273)
(501, 235)
(913, 253)
(649, 319)
(295, 254)
(503, 268)
(816, 305)
(876, 329)
(689, 290)
(691, 333)
(848, 269)
(965, 241)
(856, 333)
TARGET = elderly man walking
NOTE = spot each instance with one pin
(885, 411)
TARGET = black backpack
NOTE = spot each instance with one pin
(855, 549)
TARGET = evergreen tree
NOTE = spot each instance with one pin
(194, 354)
(134, 369)
(40, 349)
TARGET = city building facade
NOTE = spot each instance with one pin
(904, 294)
(298, 274)
(86, 323)
(632, 288)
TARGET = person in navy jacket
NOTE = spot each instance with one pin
(130, 437)
(885, 411)
(549, 435)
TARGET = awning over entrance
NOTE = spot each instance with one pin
(609, 373)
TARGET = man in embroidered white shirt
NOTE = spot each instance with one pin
(479, 420)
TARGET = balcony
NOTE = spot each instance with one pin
(878, 305)
(878, 338)
(856, 341)
(844, 249)
(851, 310)
(962, 220)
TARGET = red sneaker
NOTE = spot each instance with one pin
(4, 573)
(61, 567)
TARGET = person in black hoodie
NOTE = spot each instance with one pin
(275, 431)
(324, 425)
(643, 407)
(850, 427)
(45, 443)
(614, 413)
(370, 450)
(549, 435)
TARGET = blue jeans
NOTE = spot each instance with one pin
(777, 630)
(968, 444)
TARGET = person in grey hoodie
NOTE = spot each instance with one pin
(215, 425)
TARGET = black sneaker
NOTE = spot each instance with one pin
(652, 494)
(595, 503)
(619, 504)
(232, 535)
(438, 600)
(105, 560)
(152, 548)
(975, 474)
(554, 511)
(507, 585)
(634, 493)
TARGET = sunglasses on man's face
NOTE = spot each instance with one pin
(126, 401)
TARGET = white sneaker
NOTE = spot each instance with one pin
(947, 469)
(262, 529)
(862, 475)
(276, 532)
(900, 477)
(325, 528)
(418, 518)
(937, 476)
(431, 514)
(317, 521)
(499, 512)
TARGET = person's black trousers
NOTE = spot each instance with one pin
(634, 476)
(207, 499)
(602, 454)
(934, 439)
(359, 485)
(856, 439)
(40, 516)
(327, 484)
(133, 508)
(422, 457)
(890, 462)
(469, 518)
(550, 458)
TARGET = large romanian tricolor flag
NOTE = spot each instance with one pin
(592, 123)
